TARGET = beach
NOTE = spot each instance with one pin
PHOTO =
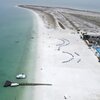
(62, 58)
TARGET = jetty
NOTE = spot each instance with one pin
(14, 84)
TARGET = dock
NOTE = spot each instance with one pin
(14, 84)
(34, 84)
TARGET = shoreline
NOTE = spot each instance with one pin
(61, 60)
(29, 62)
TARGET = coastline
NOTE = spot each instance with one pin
(61, 61)
(30, 64)
(30, 55)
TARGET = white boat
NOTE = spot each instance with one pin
(14, 84)
(21, 76)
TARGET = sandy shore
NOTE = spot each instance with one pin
(64, 60)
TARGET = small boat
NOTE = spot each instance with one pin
(11, 84)
(14, 84)
(21, 76)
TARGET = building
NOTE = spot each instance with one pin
(97, 52)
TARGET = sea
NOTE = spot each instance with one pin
(18, 29)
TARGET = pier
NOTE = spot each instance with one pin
(13, 84)
(34, 84)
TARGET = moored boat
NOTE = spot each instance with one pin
(21, 76)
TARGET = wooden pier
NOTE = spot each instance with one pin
(34, 84)
(14, 84)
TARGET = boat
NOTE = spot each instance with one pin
(21, 76)
(11, 84)
(14, 84)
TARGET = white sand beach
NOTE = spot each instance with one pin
(65, 61)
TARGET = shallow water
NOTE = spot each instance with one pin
(17, 26)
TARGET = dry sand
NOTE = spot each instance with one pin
(66, 62)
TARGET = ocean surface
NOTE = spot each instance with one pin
(17, 28)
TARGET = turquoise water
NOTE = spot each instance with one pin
(16, 28)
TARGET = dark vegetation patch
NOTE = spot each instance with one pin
(61, 25)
